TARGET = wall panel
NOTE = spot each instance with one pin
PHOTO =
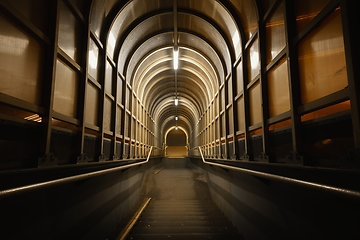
(322, 60)
(93, 61)
(255, 104)
(91, 105)
(21, 63)
(119, 114)
(66, 90)
(278, 87)
(306, 10)
(69, 36)
(253, 60)
(108, 78)
(108, 114)
(240, 114)
(275, 33)
(239, 78)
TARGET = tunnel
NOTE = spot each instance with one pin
(251, 107)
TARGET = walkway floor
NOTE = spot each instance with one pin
(178, 180)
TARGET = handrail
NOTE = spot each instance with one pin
(11, 191)
(125, 232)
(270, 176)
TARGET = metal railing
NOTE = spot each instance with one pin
(125, 232)
(275, 177)
(30, 187)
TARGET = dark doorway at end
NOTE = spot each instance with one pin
(176, 144)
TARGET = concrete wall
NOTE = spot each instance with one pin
(95, 208)
(264, 209)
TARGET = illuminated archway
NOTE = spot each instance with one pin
(176, 143)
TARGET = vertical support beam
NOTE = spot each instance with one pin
(235, 111)
(101, 75)
(123, 126)
(213, 124)
(130, 119)
(217, 126)
(82, 158)
(264, 92)
(247, 155)
(48, 159)
(123, 115)
(235, 152)
(227, 118)
(294, 84)
(237, 19)
(351, 29)
(132, 126)
(115, 154)
(224, 153)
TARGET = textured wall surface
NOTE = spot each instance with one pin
(94, 208)
(264, 209)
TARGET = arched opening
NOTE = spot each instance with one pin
(176, 144)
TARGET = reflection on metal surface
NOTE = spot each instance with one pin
(34, 117)
(13, 45)
(93, 60)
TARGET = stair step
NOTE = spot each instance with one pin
(181, 209)
(176, 230)
(202, 206)
(179, 214)
(175, 204)
(184, 218)
(176, 213)
(181, 223)
(189, 236)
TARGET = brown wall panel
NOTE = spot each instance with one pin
(278, 87)
(322, 60)
(66, 90)
(92, 101)
(21, 63)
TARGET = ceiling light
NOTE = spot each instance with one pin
(176, 58)
(176, 101)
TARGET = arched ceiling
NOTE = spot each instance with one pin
(140, 36)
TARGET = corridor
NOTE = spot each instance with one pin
(258, 98)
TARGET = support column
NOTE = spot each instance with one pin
(48, 158)
(82, 158)
(351, 29)
(264, 93)
(294, 156)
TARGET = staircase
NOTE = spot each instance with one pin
(183, 219)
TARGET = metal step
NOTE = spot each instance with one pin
(184, 219)
(188, 223)
(186, 236)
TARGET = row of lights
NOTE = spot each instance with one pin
(176, 57)
(176, 65)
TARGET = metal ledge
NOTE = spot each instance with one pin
(303, 183)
